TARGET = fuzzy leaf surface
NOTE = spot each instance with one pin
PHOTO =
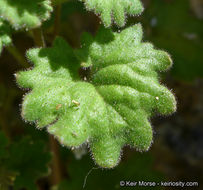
(107, 110)
(25, 14)
(4, 34)
(114, 8)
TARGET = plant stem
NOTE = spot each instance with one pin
(17, 55)
(38, 37)
(57, 174)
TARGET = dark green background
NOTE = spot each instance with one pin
(177, 152)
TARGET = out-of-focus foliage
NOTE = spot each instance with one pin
(22, 163)
(4, 34)
(172, 25)
(25, 14)
(6, 177)
(136, 167)
(58, 2)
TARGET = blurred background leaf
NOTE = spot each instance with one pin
(176, 154)
(23, 162)
(171, 25)
(134, 167)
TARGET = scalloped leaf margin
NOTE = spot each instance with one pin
(109, 110)
(114, 10)
(25, 14)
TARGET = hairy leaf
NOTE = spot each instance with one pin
(4, 34)
(107, 110)
(115, 8)
(24, 13)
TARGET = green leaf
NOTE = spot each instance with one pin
(136, 167)
(56, 2)
(4, 34)
(3, 144)
(6, 178)
(115, 8)
(30, 163)
(109, 110)
(25, 14)
(182, 38)
(22, 163)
